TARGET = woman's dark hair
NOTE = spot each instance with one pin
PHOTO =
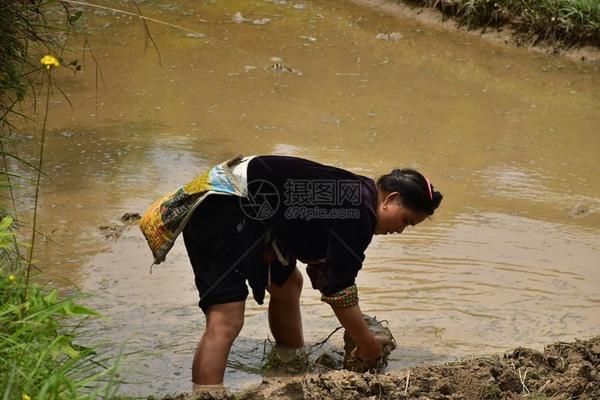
(416, 191)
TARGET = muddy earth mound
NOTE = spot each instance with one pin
(279, 360)
(563, 371)
(377, 328)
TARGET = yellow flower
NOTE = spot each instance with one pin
(11, 278)
(25, 397)
(49, 61)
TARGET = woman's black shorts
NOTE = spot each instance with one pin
(226, 248)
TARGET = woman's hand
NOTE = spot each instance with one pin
(370, 350)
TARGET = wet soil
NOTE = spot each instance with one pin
(281, 360)
(562, 371)
(114, 230)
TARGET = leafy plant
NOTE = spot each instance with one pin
(39, 354)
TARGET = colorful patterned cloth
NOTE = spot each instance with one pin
(347, 297)
(165, 218)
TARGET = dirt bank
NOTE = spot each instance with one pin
(509, 31)
(562, 371)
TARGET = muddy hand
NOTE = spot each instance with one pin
(370, 351)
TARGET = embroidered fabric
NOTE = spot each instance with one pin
(347, 297)
(166, 218)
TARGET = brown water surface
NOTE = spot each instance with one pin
(509, 136)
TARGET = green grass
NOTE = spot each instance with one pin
(40, 357)
(558, 22)
(41, 351)
(22, 28)
(27, 34)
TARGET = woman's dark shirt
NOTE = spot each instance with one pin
(287, 192)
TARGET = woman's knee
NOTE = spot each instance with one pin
(225, 329)
(295, 280)
(225, 321)
(290, 289)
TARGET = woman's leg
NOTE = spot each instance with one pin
(223, 324)
(285, 319)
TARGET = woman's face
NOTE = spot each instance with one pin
(393, 217)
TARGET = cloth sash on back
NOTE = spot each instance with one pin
(165, 219)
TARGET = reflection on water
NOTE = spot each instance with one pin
(508, 279)
(509, 137)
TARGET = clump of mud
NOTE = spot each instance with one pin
(562, 371)
(131, 217)
(377, 328)
(282, 360)
(115, 230)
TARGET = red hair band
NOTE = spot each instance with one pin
(429, 188)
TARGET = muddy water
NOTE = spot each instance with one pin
(510, 137)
